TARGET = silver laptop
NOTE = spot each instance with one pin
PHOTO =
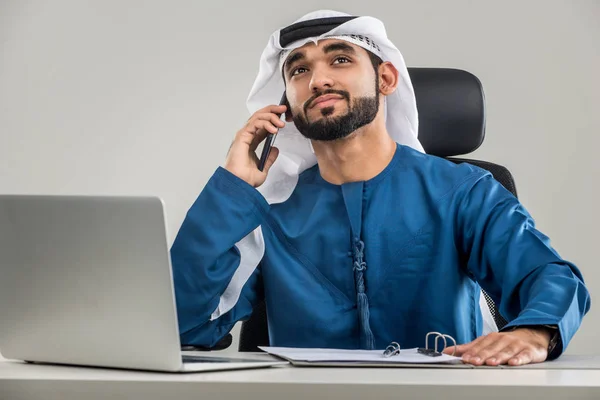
(86, 280)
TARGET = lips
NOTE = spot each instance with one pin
(324, 98)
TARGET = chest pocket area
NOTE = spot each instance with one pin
(406, 270)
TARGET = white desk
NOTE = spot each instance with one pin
(31, 381)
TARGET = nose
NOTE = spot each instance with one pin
(320, 81)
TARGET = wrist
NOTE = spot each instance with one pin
(242, 175)
(543, 332)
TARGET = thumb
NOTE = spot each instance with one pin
(457, 350)
(272, 157)
(450, 350)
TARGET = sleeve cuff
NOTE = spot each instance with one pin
(239, 189)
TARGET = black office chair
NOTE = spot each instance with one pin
(451, 106)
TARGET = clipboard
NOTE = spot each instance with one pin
(361, 358)
(392, 356)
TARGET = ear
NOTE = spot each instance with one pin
(388, 78)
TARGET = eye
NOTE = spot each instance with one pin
(340, 58)
(294, 72)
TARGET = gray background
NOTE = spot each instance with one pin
(132, 97)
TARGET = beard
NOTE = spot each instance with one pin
(361, 111)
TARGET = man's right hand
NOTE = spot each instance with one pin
(241, 158)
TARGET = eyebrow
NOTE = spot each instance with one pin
(337, 46)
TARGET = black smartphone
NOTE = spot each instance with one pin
(270, 139)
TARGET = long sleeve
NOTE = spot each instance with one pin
(515, 263)
(205, 258)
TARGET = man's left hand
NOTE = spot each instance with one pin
(518, 347)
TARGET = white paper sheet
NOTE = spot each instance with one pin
(409, 356)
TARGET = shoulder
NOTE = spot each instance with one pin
(423, 162)
(437, 173)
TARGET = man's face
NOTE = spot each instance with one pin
(332, 89)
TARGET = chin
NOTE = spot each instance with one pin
(327, 112)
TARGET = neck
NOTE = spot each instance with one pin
(359, 157)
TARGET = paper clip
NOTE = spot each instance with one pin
(434, 352)
(392, 349)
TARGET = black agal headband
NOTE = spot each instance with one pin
(310, 28)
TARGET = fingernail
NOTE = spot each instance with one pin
(492, 360)
(466, 357)
(477, 359)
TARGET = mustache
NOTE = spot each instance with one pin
(342, 93)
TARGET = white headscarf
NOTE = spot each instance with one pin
(295, 151)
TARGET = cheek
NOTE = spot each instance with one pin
(364, 84)
(295, 108)
(364, 87)
(294, 100)
(296, 104)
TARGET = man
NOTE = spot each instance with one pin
(351, 234)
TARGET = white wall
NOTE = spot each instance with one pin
(131, 97)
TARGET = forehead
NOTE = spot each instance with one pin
(311, 48)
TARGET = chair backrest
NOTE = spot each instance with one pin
(451, 106)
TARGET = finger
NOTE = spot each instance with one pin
(262, 124)
(272, 157)
(478, 344)
(259, 137)
(450, 350)
(246, 135)
(523, 357)
(275, 119)
(462, 348)
(256, 133)
(508, 352)
(257, 122)
(530, 354)
(267, 125)
(275, 109)
(488, 354)
(457, 350)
